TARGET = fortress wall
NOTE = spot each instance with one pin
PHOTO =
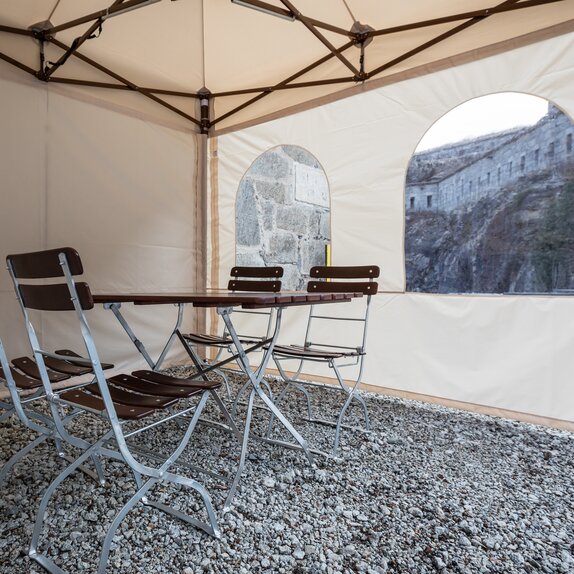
(476, 146)
(416, 197)
(546, 146)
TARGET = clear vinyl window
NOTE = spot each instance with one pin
(468, 231)
(283, 214)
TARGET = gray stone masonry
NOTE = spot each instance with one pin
(283, 214)
(431, 186)
(248, 229)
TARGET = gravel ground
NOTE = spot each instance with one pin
(431, 490)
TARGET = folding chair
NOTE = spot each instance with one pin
(26, 391)
(252, 279)
(334, 355)
(15, 382)
(119, 401)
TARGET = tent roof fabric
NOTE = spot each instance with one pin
(251, 62)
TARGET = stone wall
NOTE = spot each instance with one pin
(283, 214)
(545, 146)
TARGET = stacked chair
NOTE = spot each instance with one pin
(360, 279)
(126, 405)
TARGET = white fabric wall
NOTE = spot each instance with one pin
(505, 352)
(118, 188)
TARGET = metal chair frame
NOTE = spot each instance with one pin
(336, 357)
(145, 476)
(31, 418)
(225, 342)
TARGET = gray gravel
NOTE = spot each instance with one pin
(431, 490)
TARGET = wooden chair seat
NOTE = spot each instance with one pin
(68, 367)
(168, 380)
(215, 340)
(22, 381)
(81, 398)
(124, 397)
(30, 368)
(132, 390)
(207, 340)
(144, 387)
(311, 353)
(58, 369)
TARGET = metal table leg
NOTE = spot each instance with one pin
(255, 379)
(154, 365)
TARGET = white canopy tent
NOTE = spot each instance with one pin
(90, 158)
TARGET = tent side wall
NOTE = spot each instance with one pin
(512, 353)
(120, 188)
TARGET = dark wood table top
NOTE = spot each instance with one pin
(248, 300)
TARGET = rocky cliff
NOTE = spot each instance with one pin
(520, 240)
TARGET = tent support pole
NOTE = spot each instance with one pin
(201, 234)
(205, 101)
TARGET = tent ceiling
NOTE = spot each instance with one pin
(253, 63)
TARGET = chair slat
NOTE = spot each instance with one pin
(65, 367)
(22, 381)
(208, 340)
(297, 351)
(55, 297)
(44, 264)
(257, 272)
(147, 388)
(365, 287)
(123, 397)
(128, 412)
(162, 379)
(345, 272)
(266, 286)
(29, 367)
(73, 355)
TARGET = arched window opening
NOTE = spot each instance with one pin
(283, 214)
(509, 234)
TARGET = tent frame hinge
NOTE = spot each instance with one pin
(41, 74)
(361, 40)
(205, 110)
(41, 33)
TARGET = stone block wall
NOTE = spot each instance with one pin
(283, 214)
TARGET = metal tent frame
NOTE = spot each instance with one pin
(359, 36)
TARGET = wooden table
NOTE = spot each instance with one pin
(224, 302)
